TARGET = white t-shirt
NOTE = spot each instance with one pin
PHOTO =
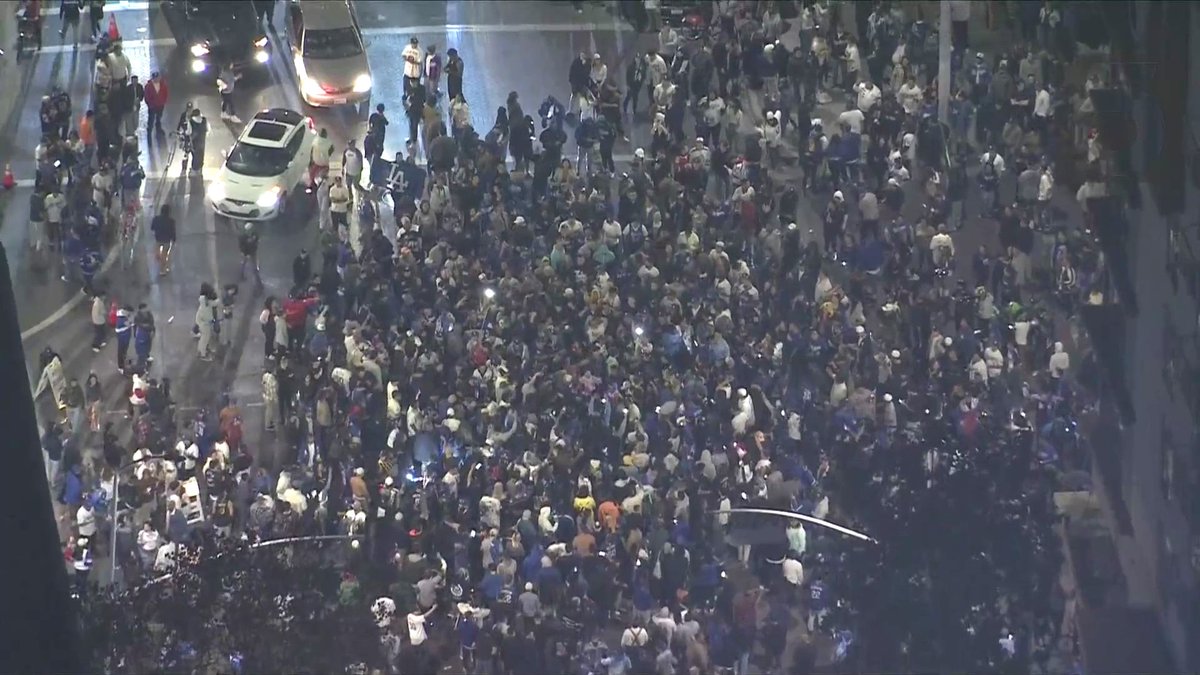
(852, 118)
(416, 628)
(793, 571)
(1041, 104)
(412, 61)
(1021, 333)
(867, 97)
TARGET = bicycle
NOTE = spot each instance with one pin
(130, 221)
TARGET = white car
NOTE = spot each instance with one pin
(267, 162)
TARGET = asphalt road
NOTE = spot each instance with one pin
(512, 46)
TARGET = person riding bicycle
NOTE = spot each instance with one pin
(131, 177)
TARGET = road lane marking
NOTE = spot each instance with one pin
(499, 28)
(90, 47)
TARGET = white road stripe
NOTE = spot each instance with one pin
(126, 43)
(499, 28)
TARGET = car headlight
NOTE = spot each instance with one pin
(261, 41)
(198, 66)
(262, 56)
(362, 83)
(216, 191)
(311, 87)
(199, 50)
(269, 199)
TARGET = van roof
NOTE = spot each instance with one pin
(326, 14)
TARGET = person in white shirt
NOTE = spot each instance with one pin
(994, 359)
(319, 157)
(148, 541)
(352, 166)
(1040, 121)
(941, 245)
(868, 95)
(1060, 361)
(339, 203)
(413, 62)
(85, 520)
(635, 636)
(416, 626)
(909, 96)
(852, 118)
(853, 63)
(793, 571)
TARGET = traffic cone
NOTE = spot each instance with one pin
(9, 181)
(113, 33)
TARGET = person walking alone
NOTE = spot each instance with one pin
(225, 84)
(165, 233)
(100, 311)
(248, 245)
(454, 74)
(156, 94)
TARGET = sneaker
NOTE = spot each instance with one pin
(95, 350)
(235, 119)
(271, 428)
(225, 116)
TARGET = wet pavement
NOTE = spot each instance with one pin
(498, 37)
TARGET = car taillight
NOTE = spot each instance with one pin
(312, 126)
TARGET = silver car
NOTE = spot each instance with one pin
(327, 48)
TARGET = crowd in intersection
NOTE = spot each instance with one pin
(529, 395)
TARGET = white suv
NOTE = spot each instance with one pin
(268, 160)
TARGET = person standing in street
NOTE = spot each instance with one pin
(225, 84)
(96, 18)
(270, 395)
(100, 310)
(69, 12)
(165, 233)
(82, 563)
(123, 327)
(433, 72)
(143, 335)
(454, 74)
(339, 204)
(206, 321)
(131, 107)
(352, 167)
(75, 401)
(156, 93)
(413, 62)
(248, 245)
(376, 133)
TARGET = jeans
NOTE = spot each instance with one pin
(51, 470)
(153, 118)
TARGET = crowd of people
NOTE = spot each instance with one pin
(529, 402)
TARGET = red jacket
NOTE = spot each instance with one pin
(156, 94)
(295, 311)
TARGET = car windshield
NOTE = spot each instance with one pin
(257, 161)
(336, 43)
